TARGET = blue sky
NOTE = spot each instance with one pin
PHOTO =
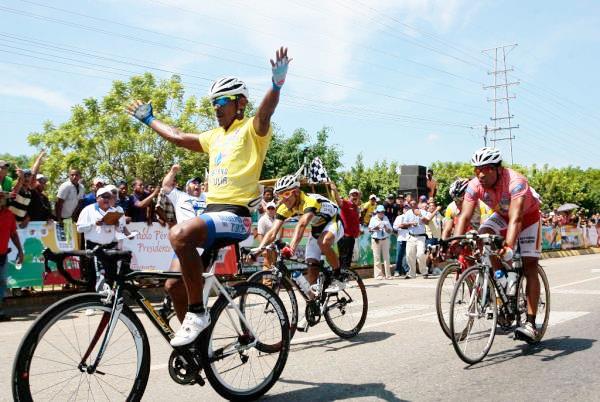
(395, 80)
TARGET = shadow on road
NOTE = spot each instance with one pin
(329, 391)
(337, 343)
(547, 350)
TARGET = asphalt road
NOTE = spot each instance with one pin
(402, 354)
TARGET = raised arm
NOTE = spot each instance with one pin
(36, 165)
(262, 120)
(336, 193)
(168, 182)
(143, 112)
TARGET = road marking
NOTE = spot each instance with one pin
(584, 292)
(558, 317)
(575, 283)
(595, 270)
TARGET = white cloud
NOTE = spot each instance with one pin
(48, 97)
(432, 138)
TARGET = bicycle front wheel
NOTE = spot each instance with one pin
(54, 359)
(243, 360)
(443, 294)
(283, 288)
(473, 321)
(346, 311)
(543, 304)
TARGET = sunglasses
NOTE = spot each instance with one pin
(106, 196)
(484, 169)
(286, 194)
(223, 100)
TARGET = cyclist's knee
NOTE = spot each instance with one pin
(189, 233)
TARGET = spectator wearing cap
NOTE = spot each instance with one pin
(402, 238)
(188, 204)
(266, 198)
(40, 208)
(415, 220)
(350, 214)
(422, 202)
(8, 231)
(20, 204)
(380, 229)
(90, 198)
(400, 203)
(6, 182)
(265, 223)
(367, 209)
(139, 211)
(100, 229)
(433, 229)
(68, 196)
(432, 184)
(391, 210)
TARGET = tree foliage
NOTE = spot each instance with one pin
(380, 179)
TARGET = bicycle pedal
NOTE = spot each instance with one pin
(200, 381)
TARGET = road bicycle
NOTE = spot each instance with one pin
(94, 346)
(480, 303)
(345, 311)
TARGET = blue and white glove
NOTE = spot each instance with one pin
(144, 113)
(280, 69)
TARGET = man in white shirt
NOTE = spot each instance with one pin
(68, 196)
(99, 222)
(380, 229)
(401, 265)
(415, 221)
(188, 205)
(265, 223)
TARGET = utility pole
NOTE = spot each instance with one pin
(501, 118)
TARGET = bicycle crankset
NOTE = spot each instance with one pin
(313, 313)
(182, 371)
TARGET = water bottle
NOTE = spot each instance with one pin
(517, 263)
(302, 283)
(511, 285)
(501, 278)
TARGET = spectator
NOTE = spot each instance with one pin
(433, 229)
(350, 214)
(90, 198)
(367, 209)
(100, 230)
(400, 204)
(380, 229)
(407, 199)
(68, 196)
(6, 182)
(265, 223)
(432, 184)
(139, 211)
(415, 222)
(8, 231)
(401, 265)
(124, 200)
(19, 205)
(423, 202)
(40, 208)
(266, 198)
(391, 210)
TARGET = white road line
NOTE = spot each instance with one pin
(575, 283)
(558, 317)
(583, 292)
(595, 270)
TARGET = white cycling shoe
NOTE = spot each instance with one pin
(191, 327)
(335, 286)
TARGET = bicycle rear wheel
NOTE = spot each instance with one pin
(54, 356)
(346, 311)
(473, 324)
(443, 294)
(543, 306)
(283, 288)
(238, 366)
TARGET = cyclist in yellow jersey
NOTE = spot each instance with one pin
(322, 215)
(236, 150)
(457, 192)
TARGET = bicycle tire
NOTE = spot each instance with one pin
(341, 303)
(213, 353)
(450, 272)
(283, 288)
(50, 324)
(473, 312)
(543, 304)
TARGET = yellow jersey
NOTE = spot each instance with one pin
(479, 214)
(366, 211)
(324, 210)
(236, 158)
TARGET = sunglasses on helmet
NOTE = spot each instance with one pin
(223, 100)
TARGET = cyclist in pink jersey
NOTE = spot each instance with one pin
(516, 217)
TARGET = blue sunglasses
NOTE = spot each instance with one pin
(223, 100)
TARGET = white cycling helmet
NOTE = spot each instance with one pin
(458, 187)
(486, 156)
(286, 183)
(227, 86)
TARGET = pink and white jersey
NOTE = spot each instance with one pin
(510, 185)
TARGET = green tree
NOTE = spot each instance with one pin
(380, 179)
(100, 139)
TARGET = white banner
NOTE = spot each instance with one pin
(151, 247)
